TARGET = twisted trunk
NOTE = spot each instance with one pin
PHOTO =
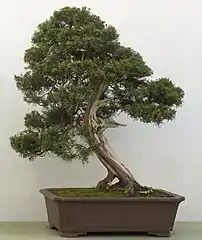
(96, 128)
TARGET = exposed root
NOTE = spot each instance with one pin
(131, 189)
(103, 184)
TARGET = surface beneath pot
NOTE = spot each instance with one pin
(40, 231)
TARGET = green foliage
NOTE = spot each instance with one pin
(71, 53)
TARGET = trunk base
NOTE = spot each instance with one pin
(103, 184)
(131, 188)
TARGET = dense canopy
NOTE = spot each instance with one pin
(72, 53)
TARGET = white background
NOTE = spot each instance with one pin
(169, 36)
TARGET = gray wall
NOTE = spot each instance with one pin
(169, 35)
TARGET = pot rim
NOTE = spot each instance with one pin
(172, 198)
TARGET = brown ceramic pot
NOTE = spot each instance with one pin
(74, 216)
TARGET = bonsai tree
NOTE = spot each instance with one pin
(81, 77)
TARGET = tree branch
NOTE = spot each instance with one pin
(43, 95)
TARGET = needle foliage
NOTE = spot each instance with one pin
(71, 53)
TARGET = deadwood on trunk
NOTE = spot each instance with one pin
(96, 127)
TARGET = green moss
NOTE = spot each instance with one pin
(93, 192)
(87, 192)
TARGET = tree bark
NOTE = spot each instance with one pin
(106, 181)
(96, 128)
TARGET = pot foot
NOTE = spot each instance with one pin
(72, 234)
(160, 234)
(50, 226)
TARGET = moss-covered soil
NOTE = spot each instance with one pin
(93, 192)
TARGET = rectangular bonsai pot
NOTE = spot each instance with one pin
(74, 216)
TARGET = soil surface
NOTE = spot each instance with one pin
(93, 192)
